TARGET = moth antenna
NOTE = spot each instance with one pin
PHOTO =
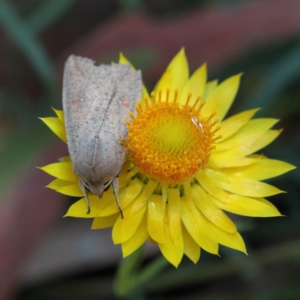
(115, 184)
(83, 189)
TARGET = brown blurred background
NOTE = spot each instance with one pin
(43, 256)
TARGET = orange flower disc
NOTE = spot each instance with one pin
(169, 141)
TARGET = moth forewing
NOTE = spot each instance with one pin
(96, 103)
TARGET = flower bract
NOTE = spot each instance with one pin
(186, 167)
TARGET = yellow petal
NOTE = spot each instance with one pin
(220, 160)
(245, 206)
(137, 240)
(264, 168)
(79, 208)
(209, 88)
(247, 136)
(56, 126)
(125, 228)
(71, 190)
(108, 204)
(130, 173)
(187, 189)
(61, 170)
(57, 184)
(60, 115)
(172, 249)
(195, 85)
(240, 186)
(104, 222)
(231, 240)
(231, 125)
(124, 60)
(175, 76)
(237, 204)
(250, 146)
(155, 221)
(191, 248)
(210, 211)
(222, 97)
(123, 181)
(173, 210)
(143, 198)
(196, 227)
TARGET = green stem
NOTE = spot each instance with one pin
(150, 271)
(127, 274)
(131, 280)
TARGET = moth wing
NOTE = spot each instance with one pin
(128, 92)
(87, 92)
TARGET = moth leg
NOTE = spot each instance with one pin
(115, 184)
(83, 189)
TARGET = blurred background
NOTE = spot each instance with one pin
(42, 255)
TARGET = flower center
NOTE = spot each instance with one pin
(169, 141)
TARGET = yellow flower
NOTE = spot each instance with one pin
(185, 167)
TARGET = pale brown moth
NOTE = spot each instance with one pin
(96, 103)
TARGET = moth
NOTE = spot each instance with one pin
(96, 103)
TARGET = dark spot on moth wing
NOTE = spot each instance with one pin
(125, 104)
(76, 101)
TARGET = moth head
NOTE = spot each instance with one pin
(97, 188)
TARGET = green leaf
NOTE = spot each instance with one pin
(23, 37)
(46, 14)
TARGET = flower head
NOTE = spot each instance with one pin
(185, 168)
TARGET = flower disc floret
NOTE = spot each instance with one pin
(170, 141)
